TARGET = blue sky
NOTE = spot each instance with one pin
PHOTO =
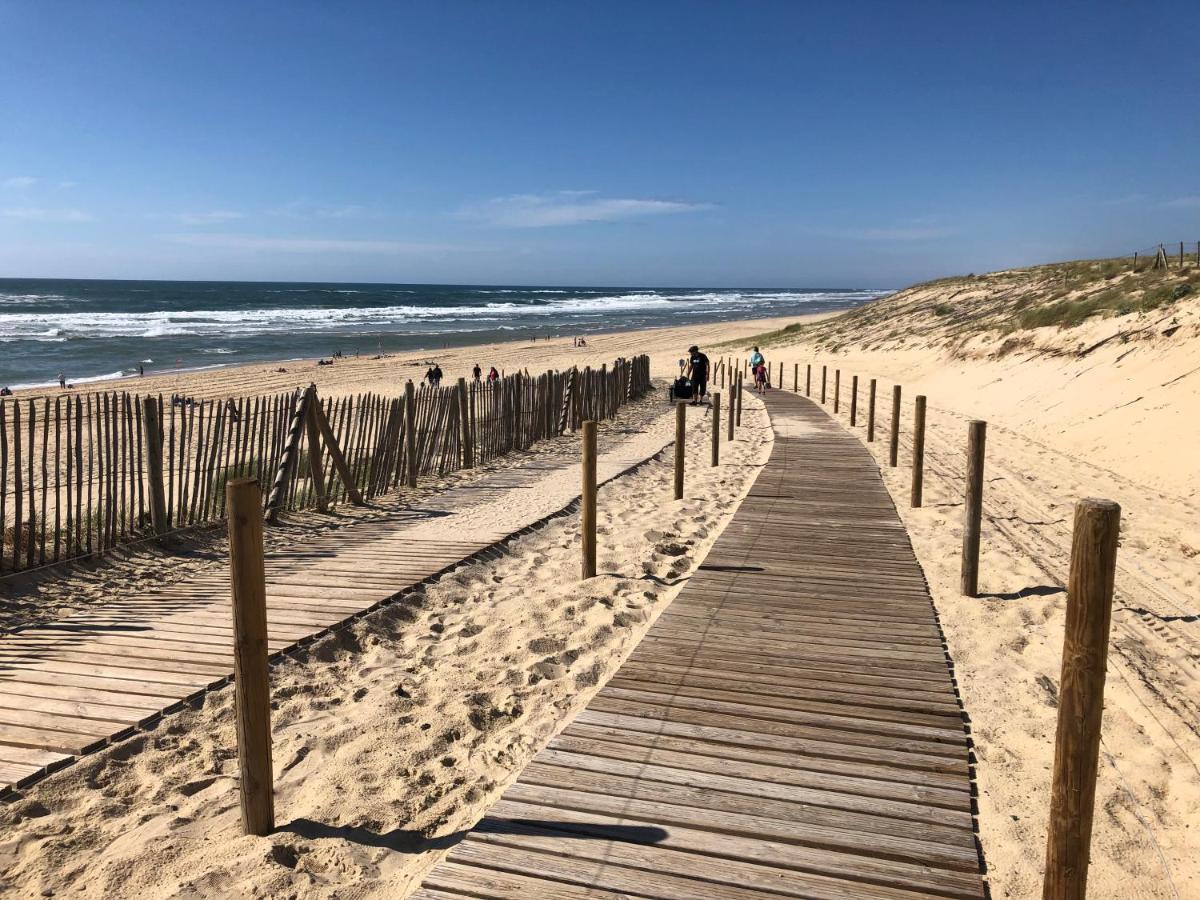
(651, 143)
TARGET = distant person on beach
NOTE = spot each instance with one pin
(697, 373)
(429, 376)
(493, 375)
(141, 371)
(6, 392)
(437, 375)
(62, 381)
(477, 372)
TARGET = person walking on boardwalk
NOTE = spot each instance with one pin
(697, 373)
(758, 370)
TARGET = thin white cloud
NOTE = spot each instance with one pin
(40, 214)
(20, 181)
(67, 185)
(305, 209)
(569, 208)
(252, 243)
(214, 217)
(1192, 202)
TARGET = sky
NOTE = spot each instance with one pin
(737, 144)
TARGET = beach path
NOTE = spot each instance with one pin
(72, 686)
(788, 727)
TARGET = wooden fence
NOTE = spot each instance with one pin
(76, 470)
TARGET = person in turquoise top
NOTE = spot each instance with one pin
(758, 370)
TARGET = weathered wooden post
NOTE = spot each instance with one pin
(853, 401)
(796, 378)
(154, 465)
(410, 433)
(716, 429)
(588, 505)
(680, 434)
(823, 385)
(464, 418)
(1081, 698)
(871, 413)
(739, 401)
(973, 518)
(316, 468)
(252, 695)
(894, 449)
(781, 375)
(729, 415)
(808, 380)
(918, 462)
(837, 388)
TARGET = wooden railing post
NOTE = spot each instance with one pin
(808, 379)
(918, 462)
(464, 418)
(853, 401)
(837, 389)
(729, 414)
(410, 433)
(588, 505)
(716, 429)
(1081, 698)
(316, 467)
(796, 378)
(252, 695)
(680, 435)
(154, 465)
(894, 448)
(823, 372)
(739, 400)
(973, 518)
(871, 413)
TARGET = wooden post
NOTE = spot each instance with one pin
(973, 519)
(837, 388)
(680, 434)
(154, 465)
(780, 375)
(316, 467)
(464, 418)
(252, 695)
(287, 461)
(588, 509)
(739, 400)
(823, 372)
(918, 463)
(871, 413)
(410, 433)
(796, 378)
(894, 449)
(716, 429)
(1081, 698)
(808, 380)
(853, 401)
(729, 415)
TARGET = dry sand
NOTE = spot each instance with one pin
(1122, 422)
(406, 724)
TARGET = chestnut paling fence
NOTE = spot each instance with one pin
(80, 476)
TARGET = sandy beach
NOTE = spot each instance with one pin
(358, 756)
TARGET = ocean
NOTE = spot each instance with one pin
(90, 330)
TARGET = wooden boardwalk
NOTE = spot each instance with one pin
(72, 686)
(788, 728)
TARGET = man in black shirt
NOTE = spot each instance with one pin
(697, 373)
